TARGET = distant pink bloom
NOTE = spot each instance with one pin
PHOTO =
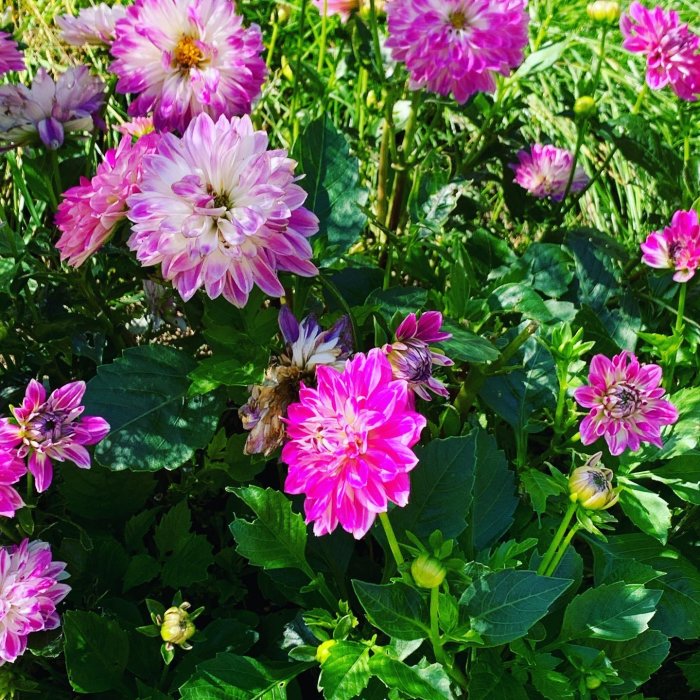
(42, 430)
(183, 57)
(93, 25)
(672, 50)
(342, 8)
(544, 171)
(12, 469)
(457, 46)
(411, 357)
(218, 210)
(138, 126)
(676, 247)
(29, 591)
(625, 401)
(11, 58)
(350, 441)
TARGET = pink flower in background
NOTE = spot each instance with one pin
(350, 440)
(29, 591)
(672, 50)
(11, 58)
(411, 357)
(544, 171)
(625, 401)
(457, 46)
(183, 57)
(676, 247)
(93, 25)
(342, 8)
(12, 469)
(43, 430)
(218, 210)
(138, 126)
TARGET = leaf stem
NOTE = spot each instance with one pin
(393, 542)
(677, 331)
(559, 535)
(440, 655)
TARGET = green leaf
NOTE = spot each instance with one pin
(465, 346)
(550, 268)
(491, 680)
(682, 475)
(540, 487)
(402, 300)
(552, 684)
(215, 371)
(521, 298)
(345, 673)
(189, 563)
(646, 509)
(428, 683)
(541, 59)
(142, 569)
(691, 670)
(173, 527)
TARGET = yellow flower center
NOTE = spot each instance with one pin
(458, 20)
(187, 54)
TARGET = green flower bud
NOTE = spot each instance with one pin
(282, 13)
(584, 106)
(604, 11)
(323, 650)
(591, 485)
(177, 627)
(427, 571)
(593, 682)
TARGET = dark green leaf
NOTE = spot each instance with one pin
(402, 300)
(345, 673)
(465, 346)
(188, 563)
(682, 475)
(646, 509)
(521, 298)
(540, 487)
(691, 670)
(428, 683)
(142, 569)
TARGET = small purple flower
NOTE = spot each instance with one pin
(676, 247)
(544, 171)
(11, 58)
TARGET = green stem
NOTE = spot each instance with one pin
(393, 542)
(324, 34)
(335, 292)
(374, 27)
(677, 331)
(601, 58)
(561, 404)
(440, 655)
(273, 39)
(579, 142)
(58, 184)
(12, 536)
(297, 74)
(559, 535)
(640, 99)
(562, 550)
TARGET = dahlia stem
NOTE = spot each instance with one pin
(637, 107)
(574, 161)
(681, 308)
(391, 539)
(335, 292)
(8, 533)
(601, 58)
(324, 34)
(562, 550)
(375, 39)
(273, 39)
(297, 73)
(677, 331)
(440, 655)
(561, 403)
(559, 535)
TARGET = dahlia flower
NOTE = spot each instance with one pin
(183, 57)
(625, 401)
(672, 50)
(30, 591)
(90, 211)
(93, 25)
(676, 247)
(42, 430)
(457, 46)
(350, 440)
(591, 485)
(12, 469)
(138, 126)
(218, 210)
(544, 171)
(411, 357)
(342, 8)
(11, 58)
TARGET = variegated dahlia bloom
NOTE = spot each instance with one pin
(30, 591)
(626, 404)
(544, 171)
(677, 247)
(42, 430)
(137, 127)
(411, 357)
(184, 57)
(342, 8)
(93, 25)
(457, 46)
(350, 440)
(12, 469)
(11, 58)
(671, 49)
(218, 210)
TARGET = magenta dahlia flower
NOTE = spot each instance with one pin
(218, 210)
(11, 58)
(12, 469)
(42, 430)
(29, 591)
(672, 50)
(342, 8)
(93, 25)
(544, 171)
(626, 403)
(676, 247)
(183, 57)
(456, 46)
(350, 440)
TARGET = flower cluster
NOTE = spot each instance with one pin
(93, 25)
(544, 171)
(677, 247)
(11, 57)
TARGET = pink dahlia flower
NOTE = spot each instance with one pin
(625, 401)
(672, 50)
(138, 126)
(29, 591)
(218, 210)
(676, 247)
(11, 58)
(93, 25)
(42, 430)
(90, 211)
(342, 8)
(350, 441)
(183, 57)
(12, 469)
(456, 46)
(411, 357)
(544, 172)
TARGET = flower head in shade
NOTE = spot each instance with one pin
(411, 357)
(183, 57)
(457, 46)
(42, 430)
(672, 50)
(626, 404)
(350, 440)
(306, 347)
(342, 8)
(591, 485)
(677, 247)
(544, 171)
(30, 590)
(11, 58)
(93, 25)
(218, 210)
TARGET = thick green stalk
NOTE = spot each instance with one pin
(440, 655)
(324, 35)
(678, 332)
(391, 539)
(559, 535)
(562, 550)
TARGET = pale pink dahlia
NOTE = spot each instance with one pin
(183, 57)
(625, 401)
(676, 247)
(29, 593)
(42, 430)
(342, 8)
(544, 171)
(456, 46)
(12, 469)
(93, 25)
(218, 210)
(11, 58)
(138, 126)
(672, 50)
(90, 211)
(350, 443)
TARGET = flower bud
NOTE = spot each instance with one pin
(177, 627)
(371, 100)
(287, 70)
(593, 682)
(282, 13)
(323, 650)
(427, 571)
(584, 106)
(591, 485)
(604, 11)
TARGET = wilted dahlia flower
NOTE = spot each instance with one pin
(456, 46)
(672, 50)
(93, 25)
(29, 591)
(625, 401)
(183, 57)
(342, 8)
(218, 210)
(42, 430)
(350, 440)
(12, 469)
(676, 247)
(11, 58)
(544, 171)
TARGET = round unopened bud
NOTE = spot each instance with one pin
(604, 11)
(177, 627)
(282, 13)
(591, 485)
(593, 682)
(323, 650)
(584, 106)
(427, 571)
